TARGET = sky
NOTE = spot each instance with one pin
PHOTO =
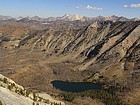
(56, 8)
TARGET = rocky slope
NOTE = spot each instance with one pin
(97, 51)
(90, 44)
(14, 94)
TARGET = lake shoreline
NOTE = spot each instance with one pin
(75, 86)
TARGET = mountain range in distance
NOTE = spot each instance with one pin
(68, 17)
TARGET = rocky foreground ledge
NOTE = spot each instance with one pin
(14, 94)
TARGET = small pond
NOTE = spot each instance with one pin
(75, 86)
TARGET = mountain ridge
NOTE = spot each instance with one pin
(72, 17)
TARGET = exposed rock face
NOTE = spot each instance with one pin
(90, 45)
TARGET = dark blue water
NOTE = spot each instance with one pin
(75, 86)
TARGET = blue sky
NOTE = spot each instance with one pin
(91, 8)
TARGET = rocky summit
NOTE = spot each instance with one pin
(34, 53)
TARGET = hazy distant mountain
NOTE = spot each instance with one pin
(19, 18)
(35, 18)
(50, 19)
(23, 20)
(135, 19)
(73, 17)
(116, 18)
(5, 17)
(98, 18)
(111, 18)
(69, 17)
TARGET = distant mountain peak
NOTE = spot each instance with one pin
(73, 17)
(114, 16)
(35, 17)
(5, 17)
